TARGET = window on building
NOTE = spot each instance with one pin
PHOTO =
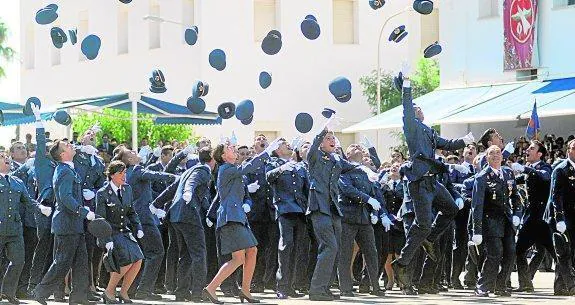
(563, 3)
(155, 27)
(83, 28)
(188, 18)
(123, 33)
(488, 8)
(30, 60)
(429, 28)
(526, 75)
(345, 22)
(265, 18)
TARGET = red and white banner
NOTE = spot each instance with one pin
(520, 34)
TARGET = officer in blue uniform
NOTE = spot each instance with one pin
(407, 215)
(68, 229)
(290, 185)
(496, 214)
(492, 137)
(426, 192)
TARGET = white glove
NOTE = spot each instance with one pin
(109, 246)
(253, 187)
(190, 149)
(157, 152)
(509, 147)
(234, 139)
(187, 196)
(459, 203)
(246, 207)
(45, 210)
(386, 222)
(366, 142)
(36, 111)
(373, 219)
(477, 239)
(140, 234)
(518, 167)
(158, 212)
(374, 204)
(88, 194)
(516, 221)
(468, 138)
(405, 69)
(296, 142)
(287, 167)
(561, 227)
(89, 149)
(209, 222)
(460, 168)
(275, 144)
(90, 216)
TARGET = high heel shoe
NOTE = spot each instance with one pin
(243, 297)
(108, 300)
(124, 300)
(206, 295)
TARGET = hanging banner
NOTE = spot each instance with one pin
(520, 31)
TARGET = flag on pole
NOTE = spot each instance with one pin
(533, 126)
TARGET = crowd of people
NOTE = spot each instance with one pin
(300, 217)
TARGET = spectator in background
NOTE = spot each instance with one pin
(106, 146)
(75, 136)
(47, 134)
(30, 147)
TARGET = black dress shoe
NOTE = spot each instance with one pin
(108, 300)
(378, 293)
(320, 297)
(333, 295)
(183, 297)
(347, 294)
(294, 294)
(363, 289)
(431, 250)
(40, 300)
(400, 272)
(409, 290)
(282, 295)
(503, 293)
(11, 299)
(148, 296)
(481, 293)
(524, 289)
(426, 289)
(442, 288)
(457, 285)
(94, 297)
(121, 299)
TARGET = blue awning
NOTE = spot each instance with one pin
(12, 114)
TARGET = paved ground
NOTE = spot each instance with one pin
(543, 293)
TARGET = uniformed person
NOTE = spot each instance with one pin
(492, 137)
(290, 185)
(496, 211)
(114, 203)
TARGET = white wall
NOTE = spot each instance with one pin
(301, 71)
(10, 85)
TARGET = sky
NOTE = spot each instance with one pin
(10, 85)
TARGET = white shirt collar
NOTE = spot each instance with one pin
(496, 171)
(114, 187)
(69, 163)
(17, 163)
(535, 164)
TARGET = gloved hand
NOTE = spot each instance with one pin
(187, 196)
(386, 222)
(518, 167)
(516, 221)
(46, 211)
(157, 152)
(295, 143)
(109, 246)
(289, 166)
(140, 234)
(459, 203)
(158, 212)
(374, 219)
(253, 187)
(190, 149)
(460, 168)
(366, 142)
(90, 216)
(246, 208)
(509, 147)
(405, 69)
(468, 138)
(561, 227)
(234, 139)
(209, 222)
(477, 239)
(36, 111)
(374, 204)
(275, 144)
(88, 194)
(89, 149)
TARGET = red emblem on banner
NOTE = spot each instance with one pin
(521, 20)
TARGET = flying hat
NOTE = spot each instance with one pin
(110, 263)
(27, 110)
(125, 1)
(247, 121)
(226, 110)
(191, 35)
(157, 82)
(432, 50)
(47, 14)
(327, 113)
(62, 117)
(398, 34)
(265, 79)
(376, 4)
(272, 43)
(340, 88)
(245, 110)
(217, 59)
(424, 7)
(303, 122)
(100, 228)
(91, 46)
(398, 81)
(196, 105)
(310, 28)
(58, 37)
(200, 89)
(73, 36)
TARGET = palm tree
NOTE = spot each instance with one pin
(6, 53)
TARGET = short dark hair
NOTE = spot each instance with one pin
(118, 149)
(166, 149)
(56, 150)
(541, 148)
(13, 144)
(115, 167)
(243, 147)
(205, 155)
(218, 152)
(486, 137)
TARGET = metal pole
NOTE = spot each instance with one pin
(134, 98)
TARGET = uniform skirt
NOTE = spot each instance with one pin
(126, 249)
(393, 241)
(235, 236)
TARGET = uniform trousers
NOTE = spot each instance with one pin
(461, 239)
(153, 250)
(327, 231)
(267, 235)
(42, 256)
(13, 248)
(498, 251)
(363, 235)
(192, 269)
(292, 244)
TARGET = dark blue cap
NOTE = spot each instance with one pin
(226, 110)
(191, 35)
(310, 28)
(398, 34)
(340, 88)
(217, 59)
(432, 50)
(91, 46)
(303, 122)
(376, 4)
(398, 81)
(265, 79)
(125, 1)
(244, 110)
(247, 121)
(47, 14)
(200, 89)
(327, 112)
(100, 228)
(424, 7)
(73, 36)
(58, 37)
(196, 105)
(62, 117)
(272, 43)
(27, 110)
(157, 82)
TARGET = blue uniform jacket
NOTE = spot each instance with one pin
(538, 181)
(562, 198)
(195, 180)
(119, 213)
(92, 176)
(263, 209)
(25, 173)
(158, 186)
(14, 199)
(290, 188)
(69, 214)
(355, 189)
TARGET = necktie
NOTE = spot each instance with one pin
(6, 177)
(394, 185)
(471, 169)
(119, 195)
